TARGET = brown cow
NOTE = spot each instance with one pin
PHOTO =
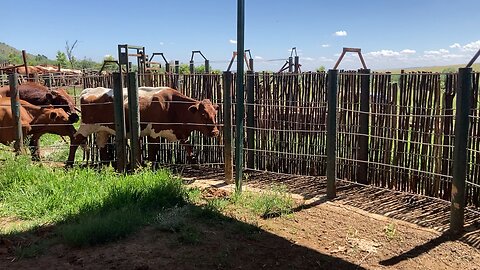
(164, 112)
(39, 95)
(36, 121)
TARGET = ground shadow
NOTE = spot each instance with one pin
(225, 243)
(423, 211)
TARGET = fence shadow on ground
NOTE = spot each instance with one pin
(420, 210)
(228, 243)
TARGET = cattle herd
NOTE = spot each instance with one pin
(164, 112)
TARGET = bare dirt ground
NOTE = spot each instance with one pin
(364, 228)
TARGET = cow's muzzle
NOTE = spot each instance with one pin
(73, 118)
(214, 133)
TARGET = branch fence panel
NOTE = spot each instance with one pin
(411, 120)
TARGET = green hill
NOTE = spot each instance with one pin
(11, 54)
(439, 69)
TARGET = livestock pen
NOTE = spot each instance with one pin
(394, 131)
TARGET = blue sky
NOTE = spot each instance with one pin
(391, 34)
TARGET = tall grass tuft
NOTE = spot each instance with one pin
(88, 206)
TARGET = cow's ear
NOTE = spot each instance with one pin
(52, 115)
(216, 107)
(49, 96)
(193, 108)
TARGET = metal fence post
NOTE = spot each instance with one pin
(459, 171)
(192, 67)
(227, 125)
(297, 64)
(134, 117)
(331, 132)
(240, 96)
(15, 106)
(118, 108)
(250, 119)
(362, 152)
(207, 66)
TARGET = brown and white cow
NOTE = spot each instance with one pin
(36, 121)
(164, 112)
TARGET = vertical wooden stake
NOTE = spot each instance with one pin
(460, 165)
(331, 132)
(364, 123)
(250, 119)
(120, 142)
(134, 120)
(227, 126)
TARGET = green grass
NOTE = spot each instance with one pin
(86, 206)
(270, 203)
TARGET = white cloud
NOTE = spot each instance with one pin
(232, 41)
(408, 51)
(307, 58)
(258, 57)
(325, 45)
(453, 56)
(341, 33)
(161, 43)
(472, 46)
(455, 45)
(325, 59)
(385, 53)
(439, 52)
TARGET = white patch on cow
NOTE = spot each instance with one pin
(100, 91)
(167, 134)
(102, 132)
(96, 92)
(148, 92)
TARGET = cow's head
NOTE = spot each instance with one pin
(60, 98)
(204, 113)
(56, 121)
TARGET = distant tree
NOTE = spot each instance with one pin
(15, 59)
(449, 70)
(38, 60)
(69, 49)
(88, 64)
(110, 66)
(61, 59)
(184, 69)
(321, 69)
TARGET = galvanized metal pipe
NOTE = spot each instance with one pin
(240, 98)
(15, 106)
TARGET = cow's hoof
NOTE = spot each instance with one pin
(192, 160)
(68, 164)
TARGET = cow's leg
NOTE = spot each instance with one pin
(34, 146)
(101, 141)
(74, 143)
(153, 150)
(191, 157)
